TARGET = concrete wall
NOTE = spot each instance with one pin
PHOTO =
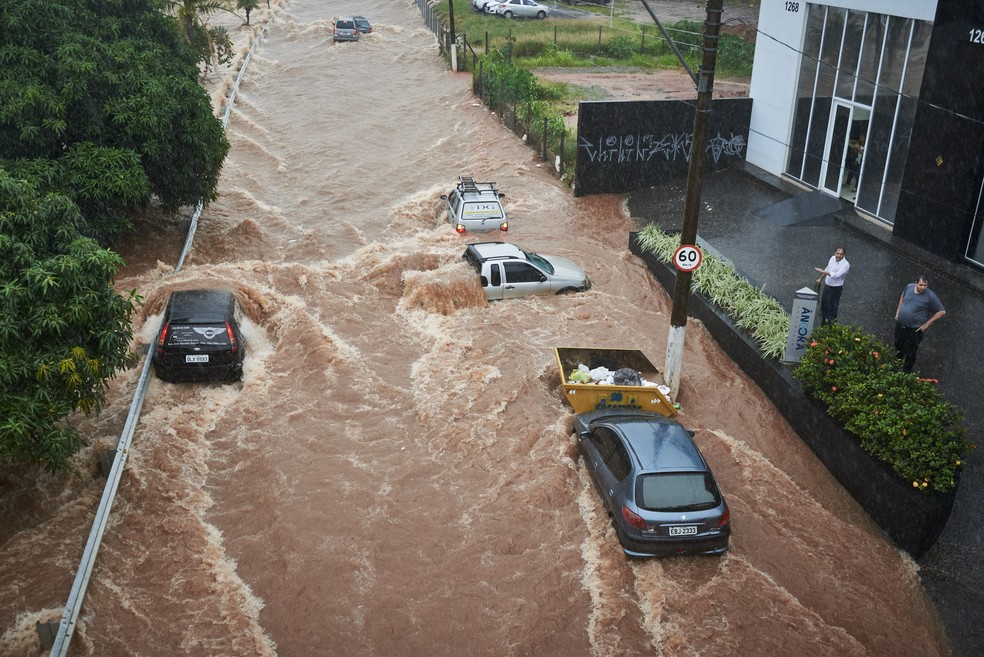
(628, 145)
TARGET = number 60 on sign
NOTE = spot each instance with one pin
(687, 258)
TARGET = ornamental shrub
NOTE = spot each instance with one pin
(898, 417)
(753, 310)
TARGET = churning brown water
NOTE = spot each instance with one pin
(397, 474)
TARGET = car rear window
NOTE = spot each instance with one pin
(345, 25)
(481, 210)
(211, 334)
(678, 491)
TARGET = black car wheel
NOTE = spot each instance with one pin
(507, 14)
(541, 14)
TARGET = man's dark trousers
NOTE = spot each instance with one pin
(829, 303)
(907, 339)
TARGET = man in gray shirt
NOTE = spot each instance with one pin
(918, 308)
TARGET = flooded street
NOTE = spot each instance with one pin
(397, 472)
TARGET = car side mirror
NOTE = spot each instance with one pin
(502, 195)
(543, 279)
(444, 197)
(585, 434)
(691, 432)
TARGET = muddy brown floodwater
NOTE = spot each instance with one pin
(397, 473)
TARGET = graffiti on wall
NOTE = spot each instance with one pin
(620, 149)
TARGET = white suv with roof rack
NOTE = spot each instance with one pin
(508, 271)
(474, 207)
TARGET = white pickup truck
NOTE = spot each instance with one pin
(508, 271)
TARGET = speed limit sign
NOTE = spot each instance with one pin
(687, 258)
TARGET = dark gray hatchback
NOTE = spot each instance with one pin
(199, 338)
(657, 488)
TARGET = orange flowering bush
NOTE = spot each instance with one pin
(898, 417)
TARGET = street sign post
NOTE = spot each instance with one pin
(687, 257)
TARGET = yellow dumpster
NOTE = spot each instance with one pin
(584, 396)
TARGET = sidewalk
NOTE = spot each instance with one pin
(779, 251)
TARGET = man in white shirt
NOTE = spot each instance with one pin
(835, 273)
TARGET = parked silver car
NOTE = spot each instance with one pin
(521, 9)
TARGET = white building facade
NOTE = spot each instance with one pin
(896, 76)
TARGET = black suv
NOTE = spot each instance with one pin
(200, 338)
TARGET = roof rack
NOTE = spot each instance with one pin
(468, 184)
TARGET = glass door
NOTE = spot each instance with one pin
(836, 149)
(975, 247)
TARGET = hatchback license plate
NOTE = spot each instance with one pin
(196, 358)
(684, 531)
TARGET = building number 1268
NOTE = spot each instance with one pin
(793, 6)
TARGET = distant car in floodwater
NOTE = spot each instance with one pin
(362, 24)
(344, 29)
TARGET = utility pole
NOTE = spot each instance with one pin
(691, 208)
(453, 37)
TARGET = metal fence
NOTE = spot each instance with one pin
(542, 133)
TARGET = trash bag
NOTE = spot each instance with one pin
(627, 377)
(579, 376)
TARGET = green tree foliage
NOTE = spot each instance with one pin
(207, 41)
(100, 101)
(64, 331)
(248, 6)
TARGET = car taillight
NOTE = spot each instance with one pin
(460, 228)
(504, 226)
(232, 338)
(725, 518)
(633, 518)
(160, 340)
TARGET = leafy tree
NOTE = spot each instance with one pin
(64, 331)
(100, 101)
(207, 41)
(248, 6)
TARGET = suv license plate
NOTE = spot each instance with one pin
(684, 531)
(196, 358)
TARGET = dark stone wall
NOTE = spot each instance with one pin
(623, 146)
(943, 170)
(914, 520)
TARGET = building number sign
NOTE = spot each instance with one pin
(793, 7)
(977, 36)
(687, 257)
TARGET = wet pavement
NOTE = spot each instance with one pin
(778, 246)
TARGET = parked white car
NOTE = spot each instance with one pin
(520, 9)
